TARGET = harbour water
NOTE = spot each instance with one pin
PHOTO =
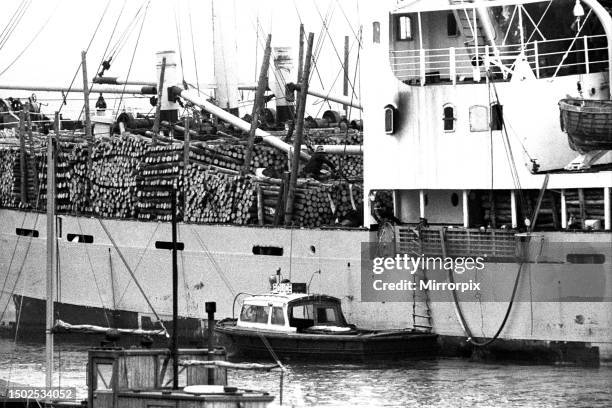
(436, 383)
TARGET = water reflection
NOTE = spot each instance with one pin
(433, 383)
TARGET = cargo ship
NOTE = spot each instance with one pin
(462, 135)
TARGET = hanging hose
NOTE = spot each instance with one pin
(459, 312)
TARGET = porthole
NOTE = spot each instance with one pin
(455, 199)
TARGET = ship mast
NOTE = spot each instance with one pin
(225, 56)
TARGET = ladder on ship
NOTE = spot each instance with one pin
(409, 243)
(470, 25)
(476, 42)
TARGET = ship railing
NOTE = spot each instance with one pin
(491, 244)
(548, 58)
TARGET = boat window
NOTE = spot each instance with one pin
(404, 28)
(86, 239)
(327, 315)
(254, 314)
(25, 232)
(598, 259)
(303, 312)
(449, 118)
(104, 373)
(278, 317)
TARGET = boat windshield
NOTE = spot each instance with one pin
(254, 314)
(315, 314)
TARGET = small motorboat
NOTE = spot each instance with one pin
(588, 123)
(295, 324)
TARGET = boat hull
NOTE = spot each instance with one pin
(338, 347)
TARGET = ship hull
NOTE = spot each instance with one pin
(219, 262)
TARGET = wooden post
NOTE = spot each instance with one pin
(513, 209)
(32, 154)
(345, 87)
(260, 206)
(160, 87)
(554, 209)
(186, 149)
(175, 346)
(280, 204)
(301, 54)
(563, 210)
(466, 209)
(299, 131)
(257, 105)
(492, 209)
(581, 202)
(421, 203)
(51, 248)
(23, 171)
(607, 209)
(88, 134)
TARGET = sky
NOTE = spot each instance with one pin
(52, 33)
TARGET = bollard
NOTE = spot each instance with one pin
(211, 308)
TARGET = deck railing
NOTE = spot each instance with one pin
(460, 242)
(547, 59)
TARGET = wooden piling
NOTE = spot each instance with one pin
(299, 131)
(159, 102)
(32, 153)
(22, 159)
(257, 105)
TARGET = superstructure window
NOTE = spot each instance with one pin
(451, 25)
(404, 28)
(479, 116)
(376, 32)
(449, 118)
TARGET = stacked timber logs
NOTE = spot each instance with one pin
(64, 162)
(214, 196)
(116, 163)
(584, 204)
(127, 177)
(497, 211)
(9, 158)
(348, 198)
(316, 204)
(161, 174)
(80, 181)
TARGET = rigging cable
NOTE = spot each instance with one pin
(144, 17)
(179, 40)
(325, 26)
(193, 50)
(93, 36)
(127, 266)
(41, 28)
(14, 22)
